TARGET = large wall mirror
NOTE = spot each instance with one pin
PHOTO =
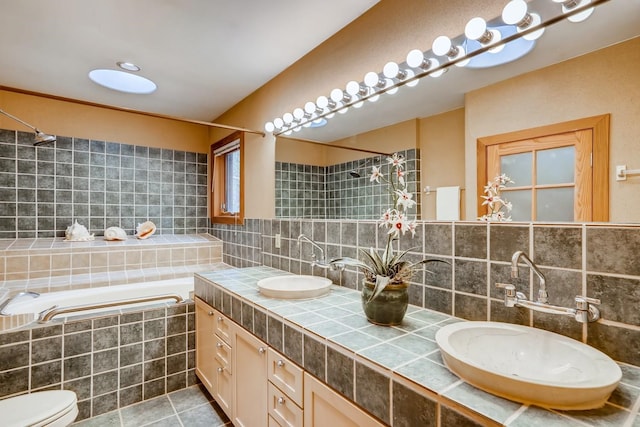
(575, 71)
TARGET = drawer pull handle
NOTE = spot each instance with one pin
(281, 401)
(220, 370)
(262, 350)
(219, 345)
(280, 363)
(220, 319)
(211, 313)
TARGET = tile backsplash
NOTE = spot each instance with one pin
(596, 260)
(101, 184)
(342, 190)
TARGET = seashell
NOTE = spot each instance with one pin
(115, 233)
(77, 233)
(145, 230)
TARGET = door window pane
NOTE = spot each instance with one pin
(555, 166)
(521, 201)
(518, 167)
(555, 204)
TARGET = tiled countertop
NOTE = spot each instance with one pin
(408, 351)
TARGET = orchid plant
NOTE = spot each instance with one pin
(498, 208)
(388, 267)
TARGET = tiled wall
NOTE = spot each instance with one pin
(241, 243)
(109, 362)
(101, 184)
(316, 192)
(598, 261)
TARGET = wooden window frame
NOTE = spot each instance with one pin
(218, 183)
(598, 125)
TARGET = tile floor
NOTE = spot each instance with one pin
(190, 407)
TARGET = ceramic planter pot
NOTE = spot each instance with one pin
(388, 308)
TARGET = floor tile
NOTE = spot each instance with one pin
(188, 398)
(146, 412)
(203, 416)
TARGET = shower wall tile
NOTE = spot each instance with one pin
(101, 184)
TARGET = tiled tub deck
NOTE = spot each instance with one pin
(395, 373)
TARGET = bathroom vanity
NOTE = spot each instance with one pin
(317, 362)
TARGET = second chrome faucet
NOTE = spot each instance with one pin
(584, 311)
(321, 260)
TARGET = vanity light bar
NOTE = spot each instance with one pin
(529, 26)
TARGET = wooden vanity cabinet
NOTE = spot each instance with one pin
(205, 345)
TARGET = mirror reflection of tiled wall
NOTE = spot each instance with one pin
(342, 190)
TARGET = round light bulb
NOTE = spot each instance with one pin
(441, 45)
(371, 79)
(278, 123)
(289, 132)
(330, 116)
(374, 98)
(475, 28)
(298, 113)
(393, 90)
(322, 102)
(412, 83)
(415, 58)
(495, 38)
(337, 95)
(288, 118)
(358, 104)
(514, 12)
(310, 107)
(269, 127)
(353, 88)
(391, 70)
(435, 64)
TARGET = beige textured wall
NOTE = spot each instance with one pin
(442, 149)
(606, 81)
(70, 119)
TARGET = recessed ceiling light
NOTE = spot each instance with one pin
(122, 82)
(129, 66)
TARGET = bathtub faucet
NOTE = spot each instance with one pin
(8, 301)
(320, 262)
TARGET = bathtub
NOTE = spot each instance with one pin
(29, 307)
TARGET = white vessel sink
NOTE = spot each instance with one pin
(529, 365)
(294, 287)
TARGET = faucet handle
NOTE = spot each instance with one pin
(509, 289)
(582, 302)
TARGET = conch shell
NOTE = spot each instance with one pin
(77, 233)
(145, 230)
(115, 233)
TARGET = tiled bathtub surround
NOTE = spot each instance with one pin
(50, 264)
(317, 192)
(596, 260)
(395, 373)
(101, 184)
(110, 362)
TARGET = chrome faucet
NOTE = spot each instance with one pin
(542, 293)
(585, 310)
(321, 261)
(8, 301)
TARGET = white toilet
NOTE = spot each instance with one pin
(56, 408)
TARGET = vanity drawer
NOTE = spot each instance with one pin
(284, 411)
(286, 375)
(223, 353)
(223, 327)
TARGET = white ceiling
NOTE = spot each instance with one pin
(204, 55)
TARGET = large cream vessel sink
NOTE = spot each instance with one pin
(294, 286)
(529, 365)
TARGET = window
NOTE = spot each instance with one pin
(560, 171)
(227, 204)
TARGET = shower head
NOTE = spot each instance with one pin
(354, 174)
(43, 138)
(39, 138)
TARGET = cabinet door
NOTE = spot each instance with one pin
(205, 345)
(250, 371)
(325, 407)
